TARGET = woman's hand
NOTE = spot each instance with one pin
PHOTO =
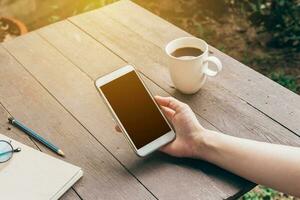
(188, 130)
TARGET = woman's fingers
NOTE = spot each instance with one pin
(169, 113)
(169, 106)
(171, 103)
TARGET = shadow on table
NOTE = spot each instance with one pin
(161, 161)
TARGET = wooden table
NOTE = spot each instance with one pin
(46, 81)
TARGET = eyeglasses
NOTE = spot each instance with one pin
(7, 150)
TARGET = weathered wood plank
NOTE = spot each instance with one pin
(70, 34)
(28, 101)
(214, 103)
(262, 93)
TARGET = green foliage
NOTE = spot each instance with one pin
(279, 18)
(260, 193)
(287, 81)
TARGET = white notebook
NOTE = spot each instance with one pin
(31, 174)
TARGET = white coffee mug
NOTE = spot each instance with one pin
(188, 73)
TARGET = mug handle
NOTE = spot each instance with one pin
(214, 60)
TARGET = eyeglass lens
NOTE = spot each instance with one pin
(6, 151)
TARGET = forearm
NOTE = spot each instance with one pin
(276, 166)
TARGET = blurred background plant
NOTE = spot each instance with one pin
(277, 24)
(263, 34)
(278, 18)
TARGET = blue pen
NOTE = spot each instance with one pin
(36, 136)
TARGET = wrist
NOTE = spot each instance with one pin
(206, 144)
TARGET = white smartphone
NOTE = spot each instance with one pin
(134, 109)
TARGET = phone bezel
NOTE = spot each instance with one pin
(155, 144)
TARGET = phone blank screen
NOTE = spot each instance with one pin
(135, 109)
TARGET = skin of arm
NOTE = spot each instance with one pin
(272, 165)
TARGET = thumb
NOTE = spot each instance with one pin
(170, 149)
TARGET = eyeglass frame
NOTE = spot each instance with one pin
(18, 149)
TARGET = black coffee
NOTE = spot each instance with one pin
(187, 51)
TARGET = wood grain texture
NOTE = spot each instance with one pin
(70, 34)
(214, 103)
(27, 100)
(260, 92)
